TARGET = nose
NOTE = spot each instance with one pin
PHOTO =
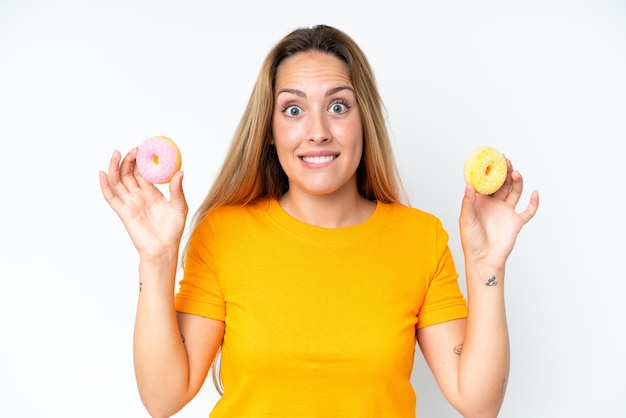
(317, 128)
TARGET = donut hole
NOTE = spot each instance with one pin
(488, 170)
(155, 160)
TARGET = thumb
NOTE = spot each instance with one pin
(468, 208)
(177, 195)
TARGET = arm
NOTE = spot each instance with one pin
(172, 352)
(470, 357)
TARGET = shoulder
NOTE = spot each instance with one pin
(230, 215)
(409, 216)
(414, 225)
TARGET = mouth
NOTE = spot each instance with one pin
(318, 159)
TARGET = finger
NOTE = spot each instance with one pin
(141, 181)
(177, 195)
(468, 206)
(517, 187)
(532, 207)
(127, 168)
(111, 185)
(105, 187)
(114, 168)
(109, 193)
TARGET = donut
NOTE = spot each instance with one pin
(485, 169)
(158, 159)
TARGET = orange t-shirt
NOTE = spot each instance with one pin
(320, 322)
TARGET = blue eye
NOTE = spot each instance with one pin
(292, 110)
(339, 107)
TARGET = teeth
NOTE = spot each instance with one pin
(318, 160)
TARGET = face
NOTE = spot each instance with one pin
(316, 125)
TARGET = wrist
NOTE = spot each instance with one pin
(160, 269)
(483, 275)
(161, 259)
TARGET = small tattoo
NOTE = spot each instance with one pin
(503, 388)
(491, 282)
(457, 350)
(140, 284)
(183, 337)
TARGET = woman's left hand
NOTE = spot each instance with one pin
(489, 224)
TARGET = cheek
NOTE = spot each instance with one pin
(359, 156)
(284, 150)
(284, 146)
(356, 136)
(283, 132)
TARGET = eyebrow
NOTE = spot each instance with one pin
(302, 94)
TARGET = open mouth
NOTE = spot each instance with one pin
(321, 159)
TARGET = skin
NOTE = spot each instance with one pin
(470, 357)
(169, 372)
(315, 115)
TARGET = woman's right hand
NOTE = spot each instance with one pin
(155, 225)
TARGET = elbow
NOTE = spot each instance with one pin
(486, 413)
(475, 406)
(157, 407)
(473, 409)
(159, 411)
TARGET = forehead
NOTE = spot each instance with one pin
(312, 66)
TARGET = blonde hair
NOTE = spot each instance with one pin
(251, 170)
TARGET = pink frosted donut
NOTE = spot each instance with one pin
(158, 159)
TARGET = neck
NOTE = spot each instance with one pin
(327, 211)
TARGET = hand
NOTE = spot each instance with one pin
(155, 225)
(489, 225)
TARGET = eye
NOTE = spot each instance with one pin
(292, 110)
(339, 106)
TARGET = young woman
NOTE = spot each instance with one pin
(306, 265)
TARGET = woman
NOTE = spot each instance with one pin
(306, 265)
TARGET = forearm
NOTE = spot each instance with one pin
(160, 358)
(485, 356)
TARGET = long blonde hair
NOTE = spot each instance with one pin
(251, 170)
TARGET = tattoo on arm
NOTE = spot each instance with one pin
(457, 349)
(140, 284)
(503, 391)
(491, 282)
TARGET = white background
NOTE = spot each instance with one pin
(543, 81)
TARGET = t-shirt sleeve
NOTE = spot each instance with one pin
(199, 292)
(444, 300)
